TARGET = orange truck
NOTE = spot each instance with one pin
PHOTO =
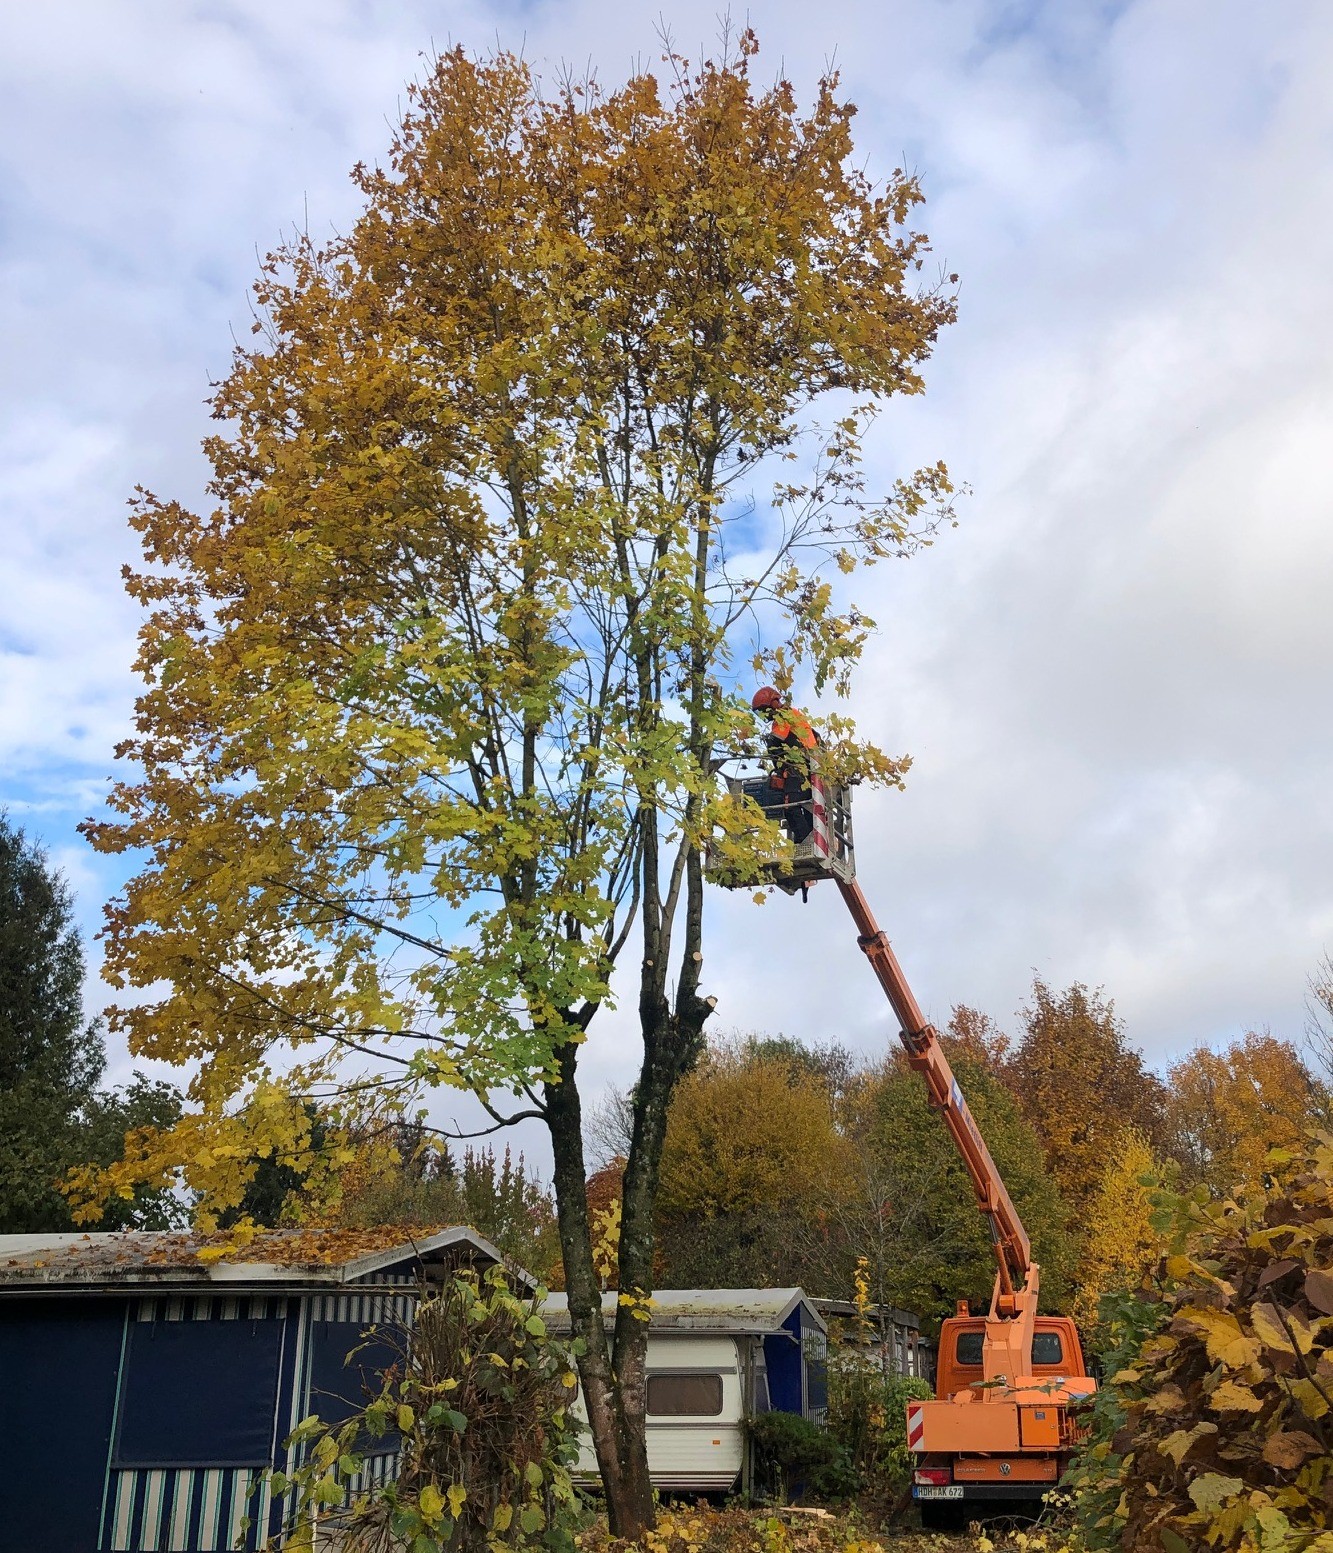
(1002, 1425)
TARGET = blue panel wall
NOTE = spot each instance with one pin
(199, 1394)
(201, 1408)
(58, 1364)
(785, 1365)
(346, 1362)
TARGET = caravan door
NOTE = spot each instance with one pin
(695, 1408)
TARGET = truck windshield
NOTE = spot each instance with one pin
(1046, 1348)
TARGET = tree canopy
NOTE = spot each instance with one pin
(787, 1163)
(1225, 1110)
(1081, 1085)
(518, 479)
(753, 1164)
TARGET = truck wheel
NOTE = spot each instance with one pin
(942, 1515)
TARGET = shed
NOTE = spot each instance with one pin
(716, 1357)
(151, 1377)
(890, 1337)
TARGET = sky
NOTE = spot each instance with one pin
(1113, 676)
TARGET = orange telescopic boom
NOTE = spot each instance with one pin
(999, 1433)
(921, 1041)
(1002, 1426)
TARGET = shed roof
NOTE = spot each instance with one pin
(703, 1310)
(299, 1258)
(846, 1310)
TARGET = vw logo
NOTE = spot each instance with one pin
(1005, 1469)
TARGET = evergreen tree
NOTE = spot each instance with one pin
(50, 1059)
(52, 1115)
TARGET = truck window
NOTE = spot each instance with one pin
(699, 1396)
(1047, 1348)
(968, 1350)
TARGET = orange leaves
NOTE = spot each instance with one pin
(1290, 1449)
(1225, 1110)
(1081, 1085)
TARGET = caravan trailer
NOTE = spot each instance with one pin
(716, 1357)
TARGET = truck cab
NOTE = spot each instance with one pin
(1056, 1352)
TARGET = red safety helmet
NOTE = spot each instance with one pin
(764, 698)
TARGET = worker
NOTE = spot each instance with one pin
(791, 745)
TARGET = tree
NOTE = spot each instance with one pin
(406, 1177)
(105, 1121)
(53, 1118)
(1319, 1031)
(912, 1213)
(1081, 1085)
(1225, 1110)
(752, 1165)
(50, 1059)
(1121, 1244)
(434, 695)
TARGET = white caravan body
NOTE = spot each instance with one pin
(695, 1413)
(715, 1358)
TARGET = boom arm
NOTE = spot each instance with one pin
(1013, 1250)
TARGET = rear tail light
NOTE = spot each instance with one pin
(935, 1477)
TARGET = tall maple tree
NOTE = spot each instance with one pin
(1081, 1085)
(436, 692)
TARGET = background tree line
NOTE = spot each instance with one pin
(784, 1162)
(55, 1114)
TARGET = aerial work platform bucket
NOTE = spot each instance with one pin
(827, 853)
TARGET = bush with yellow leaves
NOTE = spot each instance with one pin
(477, 1409)
(700, 1529)
(1225, 1440)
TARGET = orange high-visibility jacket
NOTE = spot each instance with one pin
(792, 726)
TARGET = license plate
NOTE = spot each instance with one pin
(946, 1491)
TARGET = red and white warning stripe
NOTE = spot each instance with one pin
(819, 803)
(916, 1426)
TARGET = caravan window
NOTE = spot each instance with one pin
(698, 1395)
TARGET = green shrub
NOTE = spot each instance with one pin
(792, 1453)
(477, 1407)
(867, 1416)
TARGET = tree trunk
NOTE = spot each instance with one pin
(614, 1420)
